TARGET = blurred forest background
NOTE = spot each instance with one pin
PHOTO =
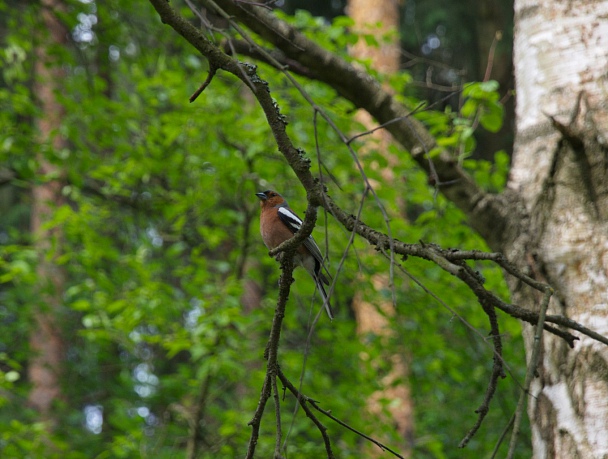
(129, 245)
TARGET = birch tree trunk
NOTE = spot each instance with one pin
(560, 172)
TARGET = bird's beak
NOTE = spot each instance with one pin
(262, 196)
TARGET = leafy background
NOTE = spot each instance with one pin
(162, 254)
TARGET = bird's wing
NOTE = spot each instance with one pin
(294, 223)
(290, 219)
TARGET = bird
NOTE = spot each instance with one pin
(278, 223)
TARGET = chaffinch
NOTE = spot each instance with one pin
(278, 223)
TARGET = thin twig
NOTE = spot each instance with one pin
(497, 38)
(380, 445)
(502, 436)
(497, 369)
(204, 21)
(304, 400)
(425, 60)
(198, 92)
(388, 123)
(532, 365)
(497, 258)
(459, 317)
(277, 415)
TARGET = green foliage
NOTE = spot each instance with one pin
(160, 250)
(454, 130)
(482, 99)
(490, 175)
(335, 36)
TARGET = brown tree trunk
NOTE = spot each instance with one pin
(46, 339)
(368, 13)
(560, 171)
(373, 318)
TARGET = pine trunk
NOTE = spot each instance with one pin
(373, 318)
(46, 340)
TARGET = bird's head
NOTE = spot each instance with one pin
(270, 198)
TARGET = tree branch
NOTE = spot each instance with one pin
(497, 369)
(532, 366)
(304, 401)
(272, 351)
(247, 73)
(486, 212)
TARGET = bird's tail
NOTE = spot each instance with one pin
(324, 297)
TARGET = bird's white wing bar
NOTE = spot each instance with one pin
(294, 223)
(291, 220)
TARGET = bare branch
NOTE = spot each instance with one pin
(207, 82)
(277, 415)
(532, 366)
(272, 349)
(261, 54)
(304, 400)
(256, 421)
(497, 369)
(497, 38)
(502, 437)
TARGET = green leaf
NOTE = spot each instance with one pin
(343, 21)
(492, 116)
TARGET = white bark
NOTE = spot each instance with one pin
(560, 49)
(561, 62)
